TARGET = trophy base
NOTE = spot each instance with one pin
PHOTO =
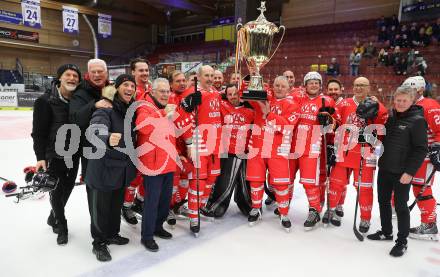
(254, 95)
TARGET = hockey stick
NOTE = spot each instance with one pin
(196, 114)
(327, 167)
(419, 195)
(4, 179)
(361, 164)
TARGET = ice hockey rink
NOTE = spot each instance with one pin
(226, 247)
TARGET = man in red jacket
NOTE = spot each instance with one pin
(202, 139)
(427, 204)
(157, 153)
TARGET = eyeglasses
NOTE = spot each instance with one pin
(361, 85)
(164, 91)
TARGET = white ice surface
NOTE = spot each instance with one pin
(227, 247)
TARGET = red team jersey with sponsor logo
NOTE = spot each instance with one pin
(307, 135)
(431, 110)
(209, 117)
(273, 134)
(236, 127)
(346, 110)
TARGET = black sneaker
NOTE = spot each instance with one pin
(163, 234)
(118, 240)
(102, 253)
(399, 249)
(379, 235)
(52, 222)
(150, 244)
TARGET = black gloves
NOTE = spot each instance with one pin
(367, 109)
(190, 102)
(434, 156)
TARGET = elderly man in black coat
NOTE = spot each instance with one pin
(112, 170)
(405, 147)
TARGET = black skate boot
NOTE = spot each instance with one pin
(339, 211)
(129, 216)
(364, 226)
(138, 207)
(194, 227)
(312, 220)
(181, 210)
(270, 203)
(285, 223)
(254, 216)
(171, 219)
(207, 214)
(330, 216)
(379, 235)
(426, 231)
(276, 212)
(399, 249)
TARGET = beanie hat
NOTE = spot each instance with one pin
(65, 67)
(123, 78)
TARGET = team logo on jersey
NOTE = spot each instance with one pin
(276, 110)
(355, 120)
(214, 104)
(309, 108)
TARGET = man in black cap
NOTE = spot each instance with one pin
(51, 112)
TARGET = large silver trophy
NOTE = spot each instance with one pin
(254, 44)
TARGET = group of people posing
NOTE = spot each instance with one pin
(182, 147)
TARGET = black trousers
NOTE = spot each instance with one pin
(232, 178)
(158, 192)
(388, 182)
(105, 208)
(60, 195)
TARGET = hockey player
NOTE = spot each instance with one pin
(427, 203)
(234, 79)
(207, 101)
(218, 81)
(134, 202)
(348, 160)
(334, 90)
(236, 129)
(307, 142)
(269, 150)
(180, 182)
(296, 92)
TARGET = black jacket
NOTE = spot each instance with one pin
(82, 105)
(406, 143)
(51, 111)
(115, 169)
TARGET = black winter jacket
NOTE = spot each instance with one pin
(406, 143)
(115, 169)
(51, 111)
(82, 106)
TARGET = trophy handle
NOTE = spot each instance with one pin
(279, 43)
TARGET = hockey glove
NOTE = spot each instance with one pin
(434, 156)
(367, 109)
(190, 102)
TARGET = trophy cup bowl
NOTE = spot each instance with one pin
(254, 45)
